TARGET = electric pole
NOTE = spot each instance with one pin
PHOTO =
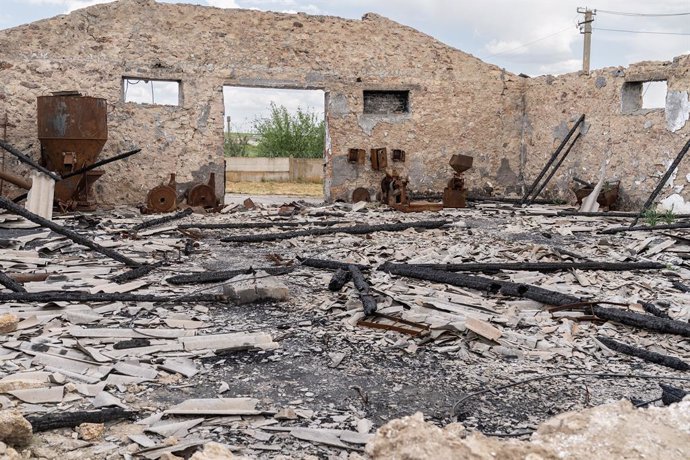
(227, 119)
(587, 31)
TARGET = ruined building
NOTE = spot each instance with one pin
(386, 85)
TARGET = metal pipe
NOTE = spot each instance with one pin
(552, 159)
(553, 171)
(16, 180)
(101, 163)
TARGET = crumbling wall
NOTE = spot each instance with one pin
(639, 144)
(457, 103)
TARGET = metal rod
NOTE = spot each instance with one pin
(663, 181)
(26, 160)
(71, 234)
(552, 159)
(97, 164)
(553, 171)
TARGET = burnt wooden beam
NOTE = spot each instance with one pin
(162, 220)
(648, 322)
(100, 163)
(646, 228)
(650, 356)
(654, 310)
(80, 296)
(326, 264)
(680, 286)
(137, 272)
(71, 234)
(671, 394)
(353, 230)
(10, 283)
(223, 275)
(280, 223)
(27, 160)
(481, 283)
(64, 419)
(368, 300)
(545, 267)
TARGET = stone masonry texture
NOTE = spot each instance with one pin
(457, 104)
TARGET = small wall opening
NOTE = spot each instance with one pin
(386, 102)
(643, 95)
(154, 92)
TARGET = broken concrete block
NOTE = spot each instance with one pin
(8, 323)
(90, 431)
(213, 451)
(14, 429)
(255, 287)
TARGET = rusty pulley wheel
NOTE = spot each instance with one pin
(162, 198)
(202, 195)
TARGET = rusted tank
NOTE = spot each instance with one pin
(73, 130)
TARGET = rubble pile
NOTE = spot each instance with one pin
(247, 328)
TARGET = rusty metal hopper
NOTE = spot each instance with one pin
(73, 130)
(461, 163)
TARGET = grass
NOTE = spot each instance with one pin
(275, 188)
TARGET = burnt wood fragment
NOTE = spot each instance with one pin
(10, 283)
(649, 322)
(652, 357)
(339, 279)
(671, 394)
(80, 296)
(481, 283)
(132, 343)
(279, 223)
(654, 310)
(136, 273)
(102, 162)
(62, 419)
(162, 220)
(544, 267)
(647, 228)
(224, 275)
(368, 301)
(680, 286)
(71, 234)
(353, 230)
(327, 264)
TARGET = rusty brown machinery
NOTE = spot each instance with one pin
(394, 190)
(203, 195)
(162, 198)
(73, 130)
(455, 194)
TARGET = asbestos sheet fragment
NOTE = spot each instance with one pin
(482, 328)
(184, 366)
(40, 395)
(216, 406)
(232, 341)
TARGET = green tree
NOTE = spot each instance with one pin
(282, 134)
(236, 145)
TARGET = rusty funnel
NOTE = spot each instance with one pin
(461, 163)
(72, 129)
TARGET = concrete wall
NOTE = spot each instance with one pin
(250, 169)
(457, 103)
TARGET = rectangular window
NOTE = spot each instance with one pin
(643, 95)
(147, 91)
(386, 102)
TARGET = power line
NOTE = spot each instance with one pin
(621, 13)
(641, 31)
(530, 43)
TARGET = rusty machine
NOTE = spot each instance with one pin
(455, 194)
(164, 198)
(73, 130)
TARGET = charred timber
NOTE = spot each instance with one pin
(100, 163)
(654, 310)
(62, 419)
(137, 272)
(78, 296)
(326, 264)
(545, 267)
(10, 283)
(224, 275)
(368, 300)
(680, 286)
(652, 357)
(671, 395)
(234, 225)
(339, 279)
(481, 283)
(647, 228)
(162, 220)
(71, 234)
(27, 160)
(354, 230)
(648, 322)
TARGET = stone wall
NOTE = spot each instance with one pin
(457, 103)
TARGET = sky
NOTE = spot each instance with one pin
(533, 37)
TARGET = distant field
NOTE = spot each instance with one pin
(275, 188)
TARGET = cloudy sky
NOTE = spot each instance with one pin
(529, 36)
